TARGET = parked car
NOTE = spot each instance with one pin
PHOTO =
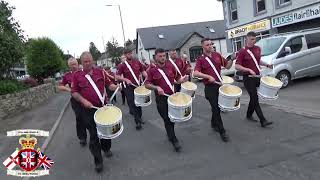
(293, 55)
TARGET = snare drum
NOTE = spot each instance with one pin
(229, 97)
(108, 120)
(142, 96)
(269, 88)
(189, 88)
(179, 107)
(227, 80)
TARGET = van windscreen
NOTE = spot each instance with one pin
(270, 45)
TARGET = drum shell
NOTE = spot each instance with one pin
(190, 92)
(229, 102)
(142, 99)
(109, 131)
(266, 91)
(180, 113)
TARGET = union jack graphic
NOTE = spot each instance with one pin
(44, 161)
(28, 159)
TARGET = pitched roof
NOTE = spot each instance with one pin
(174, 36)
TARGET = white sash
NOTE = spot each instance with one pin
(214, 69)
(102, 98)
(175, 66)
(254, 59)
(166, 79)
(132, 73)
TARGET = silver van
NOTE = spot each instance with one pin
(293, 55)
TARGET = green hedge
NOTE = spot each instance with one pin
(9, 86)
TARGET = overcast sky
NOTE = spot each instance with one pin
(73, 24)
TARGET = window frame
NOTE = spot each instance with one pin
(231, 11)
(290, 41)
(306, 36)
(255, 4)
(279, 5)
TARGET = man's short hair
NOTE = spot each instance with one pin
(204, 39)
(85, 53)
(251, 34)
(172, 49)
(159, 50)
(127, 51)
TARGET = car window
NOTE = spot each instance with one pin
(295, 44)
(313, 40)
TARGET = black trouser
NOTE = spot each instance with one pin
(110, 93)
(177, 87)
(123, 95)
(162, 106)
(136, 110)
(212, 93)
(95, 144)
(251, 84)
(80, 125)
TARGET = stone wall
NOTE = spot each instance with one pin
(11, 104)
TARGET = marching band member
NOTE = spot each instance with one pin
(112, 77)
(178, 64)
(248, 61)
(65, 85)
(156, 81)
(131, 70)
(208, 67)
(88, 88)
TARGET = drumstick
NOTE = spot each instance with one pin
(94, 107)
(166, 94)
(115, 92)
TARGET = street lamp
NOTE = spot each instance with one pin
(124, 39)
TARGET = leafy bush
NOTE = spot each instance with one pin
(8, 86)
(30, 82)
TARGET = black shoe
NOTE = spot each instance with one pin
(108, 154)
(99, 167)
(176, 146)
(266, 123)
(251, 119)
(83, 142)
(224, 137)
(138, 126)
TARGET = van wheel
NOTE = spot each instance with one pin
(285, 78)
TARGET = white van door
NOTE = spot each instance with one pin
(313, 43)
(296, 61)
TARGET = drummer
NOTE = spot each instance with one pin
(245, 63)
(131, 70)
(65, 85)
(212, 82)
(188, 68)
(157, 82)
(178, 64)
(83, 91)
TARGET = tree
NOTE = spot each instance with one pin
(128, 43)
(114, 51)
(11, 39)
(94, 51)
(44, 58)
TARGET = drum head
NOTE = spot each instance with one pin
(179, 99)
(189, 85)
(271, 81)
(142, 90)
(107, 115)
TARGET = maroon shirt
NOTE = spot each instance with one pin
(155, 77)
(180, 64)
(113, 79)
(203, 66)
(136, 67)
(82, 86)
(244, 59)
(67, 79)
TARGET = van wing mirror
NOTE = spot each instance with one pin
(287, 50)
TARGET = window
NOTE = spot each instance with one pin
(233, 10)
(270, 45)
(195, 52)
(237, 44)
(282, 2)
(295, 44)
(212, 30)
(313, 40)
(260, 6)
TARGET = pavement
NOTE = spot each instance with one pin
(290, 149)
